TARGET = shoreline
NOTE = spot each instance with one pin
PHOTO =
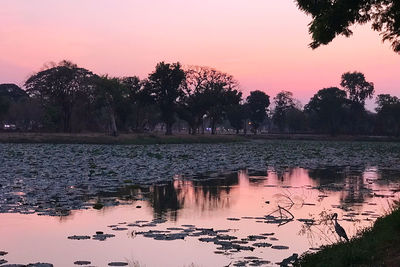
(122, 139)
(159, 138)
(375, 246)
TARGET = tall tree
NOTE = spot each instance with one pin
(258, 103)
(237, 116)
(295, 119)
(12, 92)
(211, 93)
(110, 97)
(194, 104)
(327, 108)
(335, 17)
(358, 90)
(25, 112)
(59, 87)
(220, 96)
(140, 110)
(388, 109)
(357, 87)
(283, 102)
(166, 87)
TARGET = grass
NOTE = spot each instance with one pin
(375, 246)
(159, 138)
(122, 139)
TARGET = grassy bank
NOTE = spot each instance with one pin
(143, 139)
(96, 138)
(377, 246)
(325, 137)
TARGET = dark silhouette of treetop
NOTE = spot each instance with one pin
(284, 102)
(327, 109)
(335, 17)
(166, 86)
(64, 97)
(357, 87)
(258, 103)
(59, 87)
(12, 92)
(389, 113)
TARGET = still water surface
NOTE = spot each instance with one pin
(287, 210)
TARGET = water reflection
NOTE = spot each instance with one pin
(262, 211)
(219, 191)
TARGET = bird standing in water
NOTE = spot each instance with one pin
(339, 229)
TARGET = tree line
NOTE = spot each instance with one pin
(64, 97)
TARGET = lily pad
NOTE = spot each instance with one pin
(117, 263)
(79, 237)
(82, 262)
(262, 245)
(280, 247)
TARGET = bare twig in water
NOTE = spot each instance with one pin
(282, 208)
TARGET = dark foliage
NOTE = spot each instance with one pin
(258, 103)
(165, 84)
(327, 110)
(335, 17)
(68, 98)
(62, 89)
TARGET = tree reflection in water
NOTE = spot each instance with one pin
(204, 193)
(219, 191)
(350, 182)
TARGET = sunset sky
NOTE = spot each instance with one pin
(263, 43)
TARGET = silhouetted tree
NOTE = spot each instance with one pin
(25, 112)
(141, 106)
(110, 96)
(194, 104)
(295, 119)
(220, 98)
(388, 109)
(10, 94)
(283, 102)
(166, 87)
(212, 93)
(237, 116)
(258, 102)
(333, 18)
(358, 90)
(59, 88)
(327, 109)
(357, 87)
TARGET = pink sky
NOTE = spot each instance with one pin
(262, 43)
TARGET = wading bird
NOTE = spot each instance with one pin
(339, 229)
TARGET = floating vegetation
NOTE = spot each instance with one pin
(79, 237)
(262, 245)
(82, 262)
(98, 206)
(118, 263)
(206, 182)
(55, 178)
(102, 237)
(280, 247)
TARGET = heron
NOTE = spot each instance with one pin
(339, 229)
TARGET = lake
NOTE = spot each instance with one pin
(247, 204)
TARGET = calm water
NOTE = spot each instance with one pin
(288, 208)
